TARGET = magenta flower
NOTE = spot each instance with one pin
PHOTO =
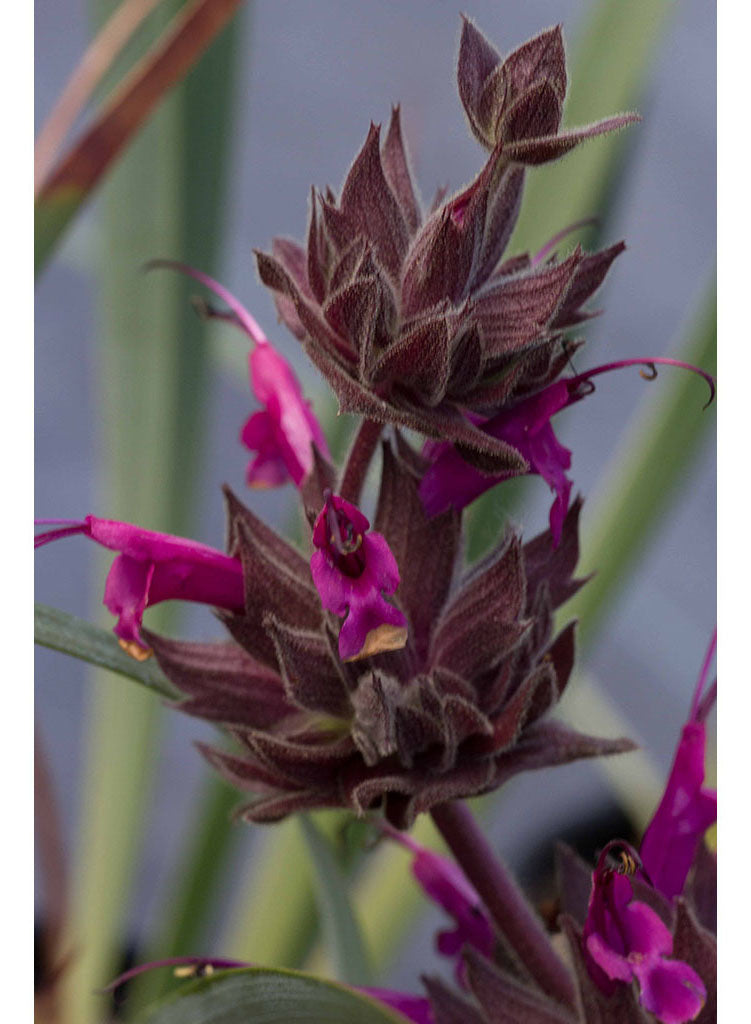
(446, 884)
(686, 810)
(153, 567)
(451, 482)
(625, 940)
(283, 433)
(352, 569)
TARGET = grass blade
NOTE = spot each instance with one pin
(341, 929)
(263, 928)
(98, 646)
(71, 183)
(78, 90)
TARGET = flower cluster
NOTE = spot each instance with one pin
(456, 710)
(419, 320)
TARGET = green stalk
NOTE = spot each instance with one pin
(152, 365)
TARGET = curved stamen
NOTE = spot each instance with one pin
(628, 860)
(242, 318)
(651, 372)
(61, 531)
(549, 246)
(697, 702)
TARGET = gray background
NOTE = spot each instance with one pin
(316, 73)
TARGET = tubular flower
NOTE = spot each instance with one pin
(283, 433)
(625, 939)
(446, 884)
(455, 712)
(351, 568)
(686, 810)
(420, 321)
(451, 482)
(153, 567)
(614, 940)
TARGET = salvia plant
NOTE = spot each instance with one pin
(370, 668)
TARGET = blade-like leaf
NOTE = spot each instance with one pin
(94, 64)
(72, 181)
(266, 996)
(341, 929)
(74, 636)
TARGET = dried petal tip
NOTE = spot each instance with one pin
(134, 650)
(352, 569)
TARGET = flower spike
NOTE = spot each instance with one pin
(282, 433)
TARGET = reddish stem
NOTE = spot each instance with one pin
(512, 916)
(358, 460)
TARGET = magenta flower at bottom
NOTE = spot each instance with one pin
(687, 809)
(625, 940)
(445, 883)
(154, 567)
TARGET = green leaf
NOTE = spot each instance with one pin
(74, 636)
(341, 929)
(264, 996)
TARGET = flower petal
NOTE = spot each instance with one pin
(671, 990)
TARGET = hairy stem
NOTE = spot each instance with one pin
(511, 914)
(358, 460)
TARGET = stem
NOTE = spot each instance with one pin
(510, 912)
(358, 460)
